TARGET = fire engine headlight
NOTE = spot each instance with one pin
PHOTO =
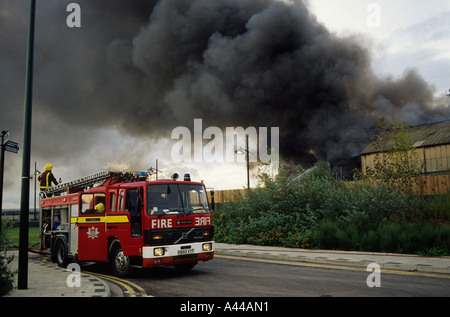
(158, 251)
(207, 247)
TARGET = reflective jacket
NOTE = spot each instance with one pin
(46, 180)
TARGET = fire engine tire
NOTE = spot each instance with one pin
(121, 264)
(60, 254)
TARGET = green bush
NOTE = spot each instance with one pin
(6, 275)
(435, 209)
(445, 238)
(370, 241)
(410, 237)
(320, 211)
(387, 237)
(333, 236)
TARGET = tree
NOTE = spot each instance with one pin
(396, 161)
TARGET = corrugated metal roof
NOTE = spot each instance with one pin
(422, 136)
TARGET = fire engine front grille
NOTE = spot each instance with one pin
(178, 236)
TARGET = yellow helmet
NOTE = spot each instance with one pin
(48, 167)
(100, 207)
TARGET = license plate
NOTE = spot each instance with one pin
(185, 251)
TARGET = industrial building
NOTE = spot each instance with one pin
(432, 143)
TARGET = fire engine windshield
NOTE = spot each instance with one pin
(176, 199)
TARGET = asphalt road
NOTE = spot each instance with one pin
(224, 277)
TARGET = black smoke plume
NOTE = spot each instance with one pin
(146, 67)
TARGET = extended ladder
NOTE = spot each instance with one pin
(89, 181)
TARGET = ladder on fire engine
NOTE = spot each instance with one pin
(93, 180)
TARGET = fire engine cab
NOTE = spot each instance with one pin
(123, 219)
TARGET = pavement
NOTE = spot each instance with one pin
(386, 261)
(46, 279)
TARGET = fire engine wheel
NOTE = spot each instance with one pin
(119, 262)
(60, 254)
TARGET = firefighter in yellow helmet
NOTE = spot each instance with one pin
(47, 178)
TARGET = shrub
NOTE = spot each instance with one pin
(387, 237)
(334, 236)
(318, 210)
(436, 209)
(370, 241)
(326, 235)
(6, 275)
(444, 238)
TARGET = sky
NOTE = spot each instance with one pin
(411, 34)
(108, 95)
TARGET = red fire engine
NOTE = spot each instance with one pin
(123, 219)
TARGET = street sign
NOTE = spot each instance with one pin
(11, 146)
(5, 137)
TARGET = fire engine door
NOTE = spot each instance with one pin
(134, 206)
(92, 244)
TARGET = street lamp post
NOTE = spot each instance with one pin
(246, 151)
(25, 186)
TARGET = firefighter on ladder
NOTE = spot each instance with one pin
(47, 178)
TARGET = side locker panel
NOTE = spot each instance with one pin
(46, 228)
(73, 229)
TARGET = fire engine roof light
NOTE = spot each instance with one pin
(187, 177)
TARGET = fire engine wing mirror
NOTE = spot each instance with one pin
(212, 199)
